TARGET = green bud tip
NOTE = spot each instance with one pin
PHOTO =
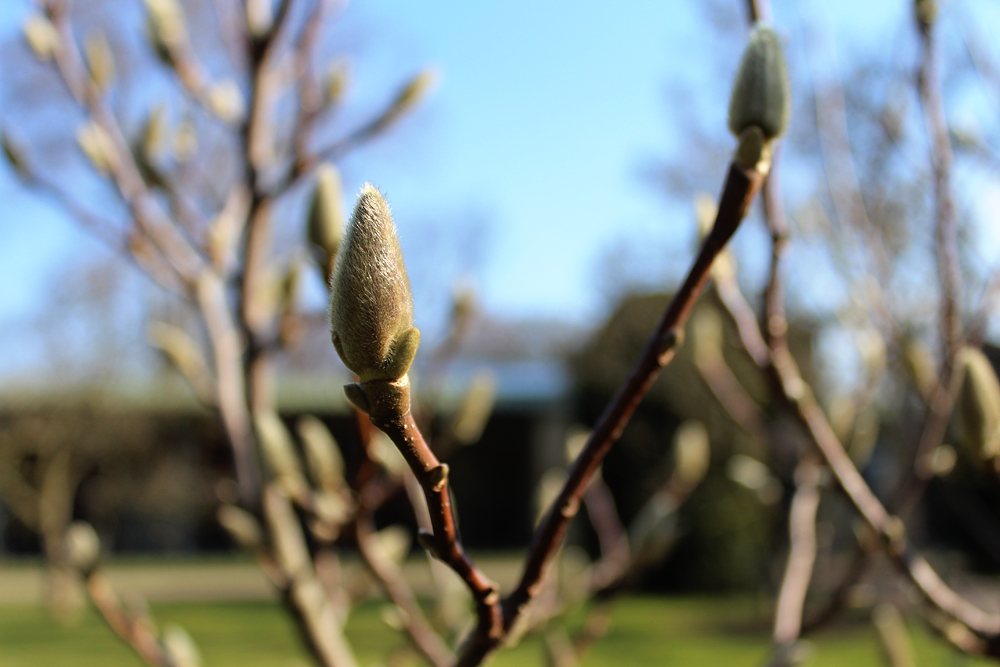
(326, 218)
(761, 94)
(371, 309)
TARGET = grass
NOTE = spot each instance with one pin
(644, 631)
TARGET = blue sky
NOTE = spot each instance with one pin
(538, 135)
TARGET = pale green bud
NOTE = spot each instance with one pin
(692, 455)
(371, 309)
(100, 60)
(82, 546)
(242, 526)
(166, 25)
(180, 647)
(979, 403)
(393, 542)
(279, 452)
(14, 154)
(42, 37)
(653, 531)
(154, 133)
(98, 146)
(476, 409)
(326, 215)
(186, 141)
(326, 465)
(260, 17)
(226, 101)
(761, 94)
(335, 83)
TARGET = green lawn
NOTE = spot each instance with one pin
(645, 631)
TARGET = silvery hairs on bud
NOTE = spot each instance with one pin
(371, 309)
(761, 94)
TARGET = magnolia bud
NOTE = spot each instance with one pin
(185, 141)
(393, 542)
(653, 531)
(326, 215)
(166, 25)
(98, 146)
(371, 308)
(42, 37)
(100, 60)
(279, 452)
(260, 17)
(226, 101)
(979, 403)
(692, 455)
(761, 96)
(180, 647)
(82, 546)
(326, 464)
(241, 526)
(476, 409)
(14, 154)
(335, 83)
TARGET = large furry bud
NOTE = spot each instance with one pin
(761, 94)
(371, 310)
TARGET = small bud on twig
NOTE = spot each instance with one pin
(371, 309)
(226, 101)
(241, 526)
(82, 546)
(761, 96)
(100, 60)
(98, 146)
(15, 155)
(692, 453)
(42, 37)
(166, 26)
(979, 404)
(326, 465)
(326, 216)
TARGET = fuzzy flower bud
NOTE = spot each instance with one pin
(83, 547)
(42, 37)
(761, 95)
(326, 217)
(979, 403)
(371, 311)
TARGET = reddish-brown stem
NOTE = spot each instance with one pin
(389, 410)
(421, 634)
(740, 188)
(136, 632)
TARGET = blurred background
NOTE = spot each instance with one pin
(547, 190)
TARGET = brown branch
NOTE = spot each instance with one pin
(421, 634)
(801, 556)
(760, 11)
(317, 620)
(888, 527)
(740, 188)
(135, 631)
(389, 410)
(946, 250)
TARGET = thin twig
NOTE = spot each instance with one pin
(801, 555)
(421, 633)
(740, 188)
(137, 632)
(389, 404)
